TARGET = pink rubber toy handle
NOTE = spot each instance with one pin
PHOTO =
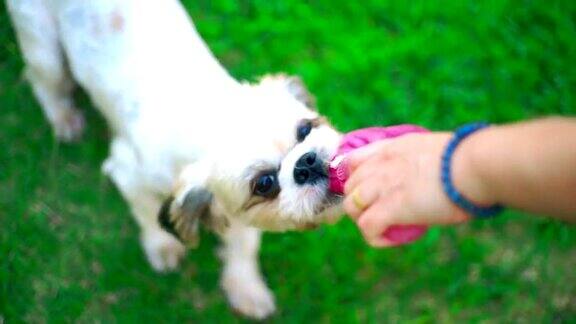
(399, 234)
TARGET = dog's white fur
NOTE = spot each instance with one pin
(172, 107)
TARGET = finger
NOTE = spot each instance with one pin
(360, 199)
(380, 217)
(373, 222)
(384, 174)
(364, 172)
(360, 155)
(351, 209)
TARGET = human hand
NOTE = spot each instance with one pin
(397, 182)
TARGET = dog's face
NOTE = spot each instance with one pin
(270, 171)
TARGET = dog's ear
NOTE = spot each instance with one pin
(298, 89)
(294, 85)
(181, 216)
(190, 205)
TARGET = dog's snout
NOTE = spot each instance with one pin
(309, 169)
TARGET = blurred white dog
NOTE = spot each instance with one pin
(224, 153)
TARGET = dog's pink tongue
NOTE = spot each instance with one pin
(338, 171)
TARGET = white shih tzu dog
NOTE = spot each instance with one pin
(190, 144)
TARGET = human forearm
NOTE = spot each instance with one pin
(529, 166)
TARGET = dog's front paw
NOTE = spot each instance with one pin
(249, 296)
(163, 251)
(69, 126)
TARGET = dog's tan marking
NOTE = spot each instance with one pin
(117, 21)
(308, 226)
(318, 121)
(253, 201)
(281, 146)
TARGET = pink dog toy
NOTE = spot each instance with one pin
(338, 172)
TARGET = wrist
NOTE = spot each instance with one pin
(472, 196)
(467, 173)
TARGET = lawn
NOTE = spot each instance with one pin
(69, 250)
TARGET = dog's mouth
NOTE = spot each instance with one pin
(315, 206)
(330, 200)
(326, 210)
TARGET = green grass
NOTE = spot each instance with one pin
(69, 249)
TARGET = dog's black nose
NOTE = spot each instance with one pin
(309, 169)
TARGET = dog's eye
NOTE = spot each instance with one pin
(303, 130)
(266, 185)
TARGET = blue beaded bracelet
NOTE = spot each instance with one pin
(456, 197)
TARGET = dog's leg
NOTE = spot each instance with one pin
(241, 279)
(46, 69)
(163, 250)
